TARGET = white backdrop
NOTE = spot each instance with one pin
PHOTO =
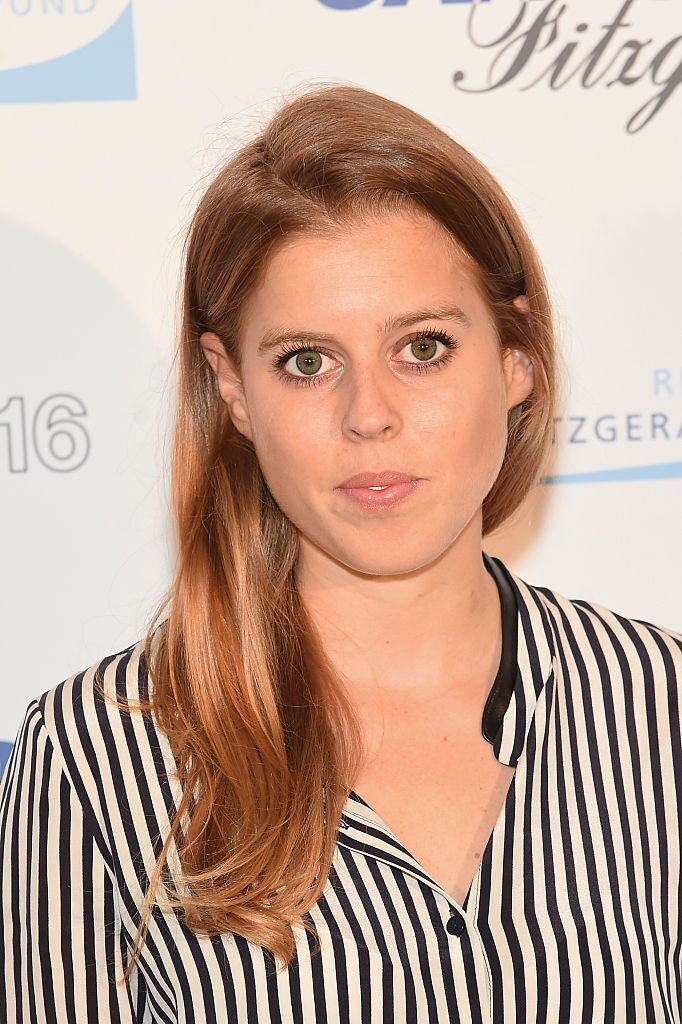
(112, 117)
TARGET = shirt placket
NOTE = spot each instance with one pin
(366, 835)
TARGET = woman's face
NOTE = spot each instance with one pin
(364, 395)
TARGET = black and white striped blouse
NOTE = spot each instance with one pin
(574, 914)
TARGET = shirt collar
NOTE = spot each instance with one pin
(526, 664)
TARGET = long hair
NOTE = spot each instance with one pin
(264, 737)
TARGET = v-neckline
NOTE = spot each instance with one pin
(495, 707)
(487, 850)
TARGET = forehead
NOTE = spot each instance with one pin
(410, 237)
(372, 266)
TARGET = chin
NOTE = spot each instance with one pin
(395, 560)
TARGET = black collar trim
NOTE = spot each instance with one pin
(503, 686)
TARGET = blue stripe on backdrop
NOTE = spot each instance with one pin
(657, 471)
(5, 749)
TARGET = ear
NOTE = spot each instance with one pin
(230, 385)
(518, 368)
(519, 375)
(521, 303)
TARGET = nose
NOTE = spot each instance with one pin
(370, 404)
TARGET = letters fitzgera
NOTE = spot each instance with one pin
(518, 50)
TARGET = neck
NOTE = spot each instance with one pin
(419, 635)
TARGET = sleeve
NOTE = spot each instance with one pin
(61, 946)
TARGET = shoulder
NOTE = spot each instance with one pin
(587, 631)
(118, 763)
(81, 713)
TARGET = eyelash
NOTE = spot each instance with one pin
(451, 344)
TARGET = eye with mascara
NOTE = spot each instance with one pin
(425, 340)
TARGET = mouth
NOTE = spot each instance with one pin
(376, 497)
(381, 479)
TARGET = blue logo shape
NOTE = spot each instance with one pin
(103, 69)
(5, 751)
(352, 5)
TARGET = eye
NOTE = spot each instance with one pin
(423, 345)
(307, 360)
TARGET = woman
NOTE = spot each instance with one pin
(361, 771)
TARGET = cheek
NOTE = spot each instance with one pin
(470, 437)
(472, 420)
(291, 453)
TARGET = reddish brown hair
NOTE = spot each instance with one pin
(265, 741)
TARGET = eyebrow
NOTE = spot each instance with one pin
(273, 338)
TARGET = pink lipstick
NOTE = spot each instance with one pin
(375, 491)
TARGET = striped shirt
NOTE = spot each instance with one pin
(574, 914)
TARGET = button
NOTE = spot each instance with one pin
(456, 924)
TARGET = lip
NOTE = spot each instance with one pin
(386, 476)
(392, 494)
